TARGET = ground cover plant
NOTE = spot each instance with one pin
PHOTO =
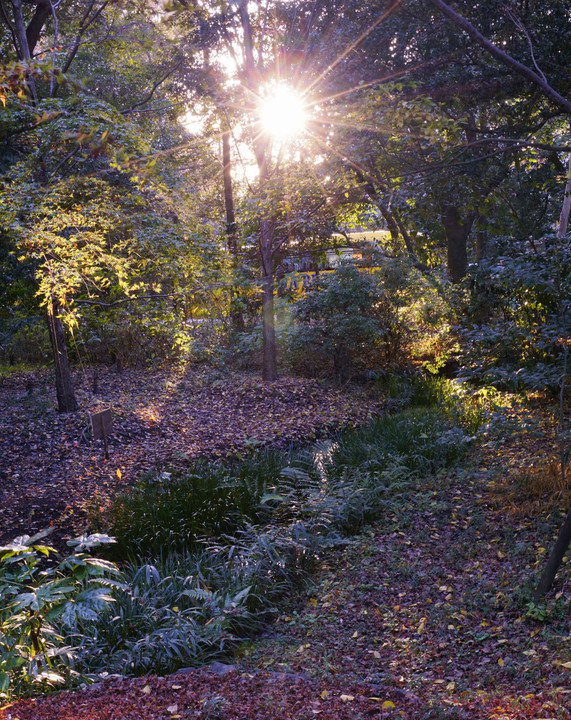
(427, 613)
(236, 537)
(52, 471)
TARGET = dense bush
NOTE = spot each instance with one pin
(344, 325)
(41, 603)
(520, 308)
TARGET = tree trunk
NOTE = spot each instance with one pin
(481, 243)
(391, 224)
(23, 48)
(270, 366)
(229, 194)
(236, 317)
(267, 224)
(561, 545)
(21, 39)
(456, 240)
(566, 209)
(405, 236)
(64, 387)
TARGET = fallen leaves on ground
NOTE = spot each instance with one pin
(434, 602)
(53, 472)
(203, 695)
(423, 617)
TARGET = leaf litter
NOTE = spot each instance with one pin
(424, 616)
(52, 472)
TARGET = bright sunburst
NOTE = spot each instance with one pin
(282, 113)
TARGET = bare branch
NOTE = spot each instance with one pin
(522, 28)
(86, 21)
(152, 91)
(99, 303)
(502, 56)
(9, 25)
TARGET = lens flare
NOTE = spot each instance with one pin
(282, 113)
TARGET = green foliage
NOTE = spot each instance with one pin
(212, 552)
(165, 512)
(421, 440)
(41, 600)
(345, 324)
(520, 307)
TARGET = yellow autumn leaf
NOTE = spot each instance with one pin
(388, 705)
(324, 694)
(501, 663)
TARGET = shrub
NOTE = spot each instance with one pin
(520, 309)
(38, 601)
(344, 325)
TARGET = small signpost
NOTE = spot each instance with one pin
(102, 426)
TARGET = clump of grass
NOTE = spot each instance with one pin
(340, 485)
(166, 512)
(533, 490)
(422, 440)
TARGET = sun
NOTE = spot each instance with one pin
(282, 113)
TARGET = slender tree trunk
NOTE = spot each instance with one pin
(270, 365)
(561, 545)
(262, 151)
(391, 223)
(456, 239)
(481, 243)
(566, 209)
(564, 538)
(229, 194)
(64, 387)
(405, 236)
(237, 318)
(23, 48)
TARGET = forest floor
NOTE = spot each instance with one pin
(424, 616)
(53, 474)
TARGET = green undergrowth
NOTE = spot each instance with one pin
(177, 512)
(206, 557)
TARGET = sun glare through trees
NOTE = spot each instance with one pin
(283, 113)
(285, 301)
